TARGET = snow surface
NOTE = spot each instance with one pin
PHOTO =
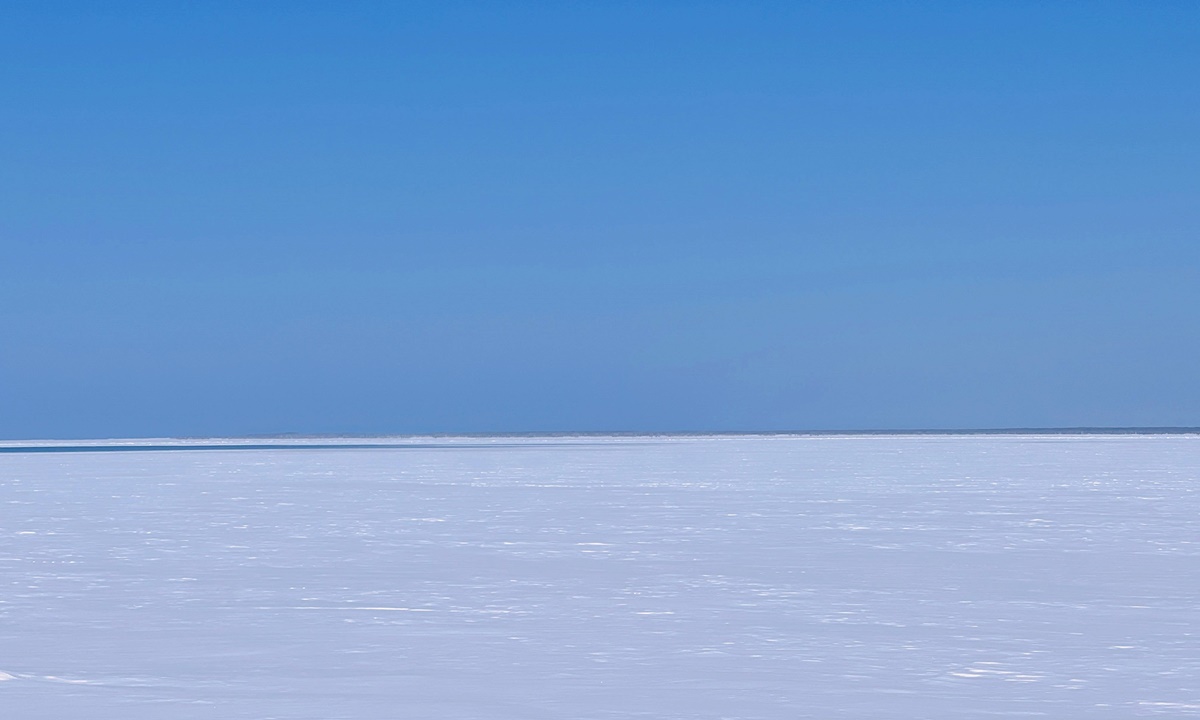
(572, 578)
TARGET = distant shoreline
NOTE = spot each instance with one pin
(296, 441)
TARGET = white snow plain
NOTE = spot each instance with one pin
(583, 578)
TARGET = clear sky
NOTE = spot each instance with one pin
(258, 217)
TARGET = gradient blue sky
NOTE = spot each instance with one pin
(226, 218)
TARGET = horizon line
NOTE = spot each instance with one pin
(179, 443)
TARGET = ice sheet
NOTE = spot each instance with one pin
(572, 578)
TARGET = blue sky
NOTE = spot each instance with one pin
(225, 218)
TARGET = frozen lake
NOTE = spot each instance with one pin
(577, 578)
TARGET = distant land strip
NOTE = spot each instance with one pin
(183, 446)
(270, 446)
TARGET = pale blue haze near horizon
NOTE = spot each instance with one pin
(238, 218)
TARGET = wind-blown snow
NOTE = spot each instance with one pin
(578, 578)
